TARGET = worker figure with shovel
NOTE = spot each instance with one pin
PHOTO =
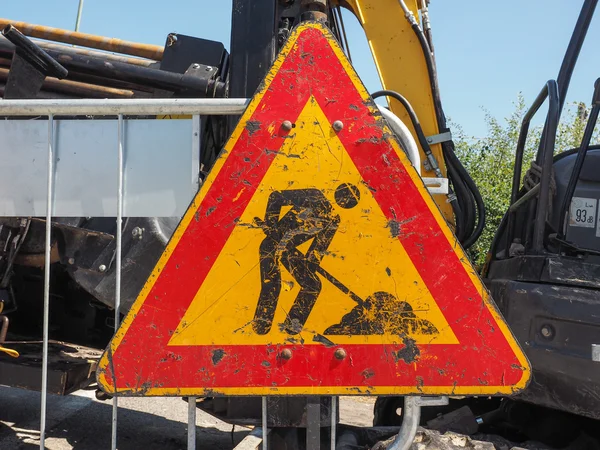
(311, 217)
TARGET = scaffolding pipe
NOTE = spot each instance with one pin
(154, 52)
(7, 47)
(76, 88)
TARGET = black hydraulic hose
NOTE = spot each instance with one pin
(433, 78)
(427, 29)
(477, 197)
(414, 120)
(457, 208)
(448, 149)
(464, 199)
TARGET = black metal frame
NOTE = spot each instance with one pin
(556, 91)
(545, 155)
(574, 48)
(581, 154)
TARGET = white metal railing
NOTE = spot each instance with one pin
(144, 106)
(194, 108)
(52, 108)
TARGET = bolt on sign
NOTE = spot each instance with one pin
(313, 261)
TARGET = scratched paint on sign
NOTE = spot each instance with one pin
(313, 257)
(313, 261)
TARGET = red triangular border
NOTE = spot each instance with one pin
(485, 360)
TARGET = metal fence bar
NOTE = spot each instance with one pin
(191, 445)
(108, 107)
(265, 428)
(118, 258)
(48, 246)
(334, 401)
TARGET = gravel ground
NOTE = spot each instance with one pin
(81, 422)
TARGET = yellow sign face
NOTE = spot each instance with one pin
(360, 252)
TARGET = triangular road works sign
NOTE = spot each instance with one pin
(313, 261)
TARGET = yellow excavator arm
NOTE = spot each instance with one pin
(402, 68)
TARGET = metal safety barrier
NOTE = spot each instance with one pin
(139, 150)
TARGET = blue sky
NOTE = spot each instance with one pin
(487, 51)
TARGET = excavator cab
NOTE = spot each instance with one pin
(544, 271)
(543, 268)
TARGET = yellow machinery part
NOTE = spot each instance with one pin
(402, 68)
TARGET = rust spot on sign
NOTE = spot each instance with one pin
(252, 126)
(409, 353)
(217, 356)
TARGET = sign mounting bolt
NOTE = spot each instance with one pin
(102, 268)
(338, 125)
(137, 233)
(287, 125)
(547, 331)
(286, 354)
(340, 354)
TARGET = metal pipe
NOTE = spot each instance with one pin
(77, 88)
(7, 47)
(547, 156)
(523, 134)
(43, 95)
(119, 253)
(34, 54)
(191, 445)
(550, 89)
(155, 78)
(48, 245)
(529, 195)
(574, 48)
(408, 13)
(110, 82)
(145, 106)
(85, 89)
(407, 141)
(411, 416)
(87, 40)
(96, 54)
(118, 256)
(79, 11)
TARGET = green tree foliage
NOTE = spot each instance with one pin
(490, 159)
